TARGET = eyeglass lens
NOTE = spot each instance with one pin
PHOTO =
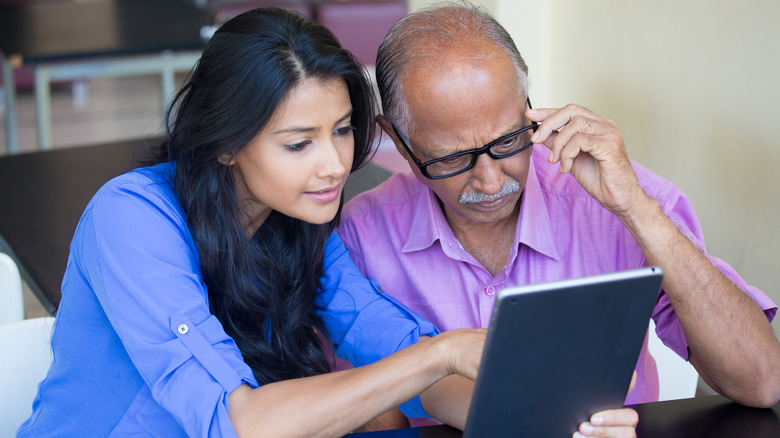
(503, 147)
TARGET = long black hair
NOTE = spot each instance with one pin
(262, 288)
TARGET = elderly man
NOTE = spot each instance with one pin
(501, 194)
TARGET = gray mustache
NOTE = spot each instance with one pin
(474, 197)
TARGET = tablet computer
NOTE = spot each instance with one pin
(558, 352)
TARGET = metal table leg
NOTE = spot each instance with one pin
(167, 82)
(43, 106)
(9, 93)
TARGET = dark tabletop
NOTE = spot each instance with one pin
(701, 417)
(61, 30)
(706, 417)
(43, 194)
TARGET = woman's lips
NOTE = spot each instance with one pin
(325, 196)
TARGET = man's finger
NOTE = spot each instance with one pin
(569, 121)
(611, 432)
(544, 130)
(615, 417)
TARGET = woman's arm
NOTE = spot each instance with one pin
(335, 404)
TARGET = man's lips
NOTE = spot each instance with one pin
(493, 203)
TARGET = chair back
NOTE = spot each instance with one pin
(26, 350)
(360, 25)
(11, 300)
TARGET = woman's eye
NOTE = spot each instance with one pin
(345, 130)
(297, 147)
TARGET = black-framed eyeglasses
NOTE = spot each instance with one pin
(457, 163)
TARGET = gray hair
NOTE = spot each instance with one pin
(422, 36)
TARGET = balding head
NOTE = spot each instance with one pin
(432, 37)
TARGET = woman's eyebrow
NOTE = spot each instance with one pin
(346, 116)
(310, 129)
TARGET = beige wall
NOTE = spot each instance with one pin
(694, 87)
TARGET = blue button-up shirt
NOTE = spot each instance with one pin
(136, 350)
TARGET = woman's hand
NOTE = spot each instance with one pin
(462, 350)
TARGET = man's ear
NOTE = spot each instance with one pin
(388, 129)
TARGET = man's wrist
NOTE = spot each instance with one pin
(644, 218)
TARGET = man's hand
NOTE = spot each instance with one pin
(591, 148)
(615, 423)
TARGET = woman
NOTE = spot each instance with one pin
(199, 291)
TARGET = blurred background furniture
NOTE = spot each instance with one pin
(11, 301)
(45, 42)
(360, 25)
(26, 349)
(67, 40)
(224, 10)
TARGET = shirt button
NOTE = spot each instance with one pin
(490, 290)
(183, 329)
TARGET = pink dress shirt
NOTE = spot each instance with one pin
(397, 235)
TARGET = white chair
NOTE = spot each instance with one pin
(26, 350)
(11, 300)
(677, 378)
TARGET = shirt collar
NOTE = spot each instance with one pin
(428, 222)
(534, 228)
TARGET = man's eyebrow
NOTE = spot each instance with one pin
(309, 128)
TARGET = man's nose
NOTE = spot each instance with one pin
(488, 175)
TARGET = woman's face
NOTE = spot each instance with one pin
(298, 163)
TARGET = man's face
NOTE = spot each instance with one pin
(460, 105)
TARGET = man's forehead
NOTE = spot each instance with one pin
(460, 80)
(467, 101)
